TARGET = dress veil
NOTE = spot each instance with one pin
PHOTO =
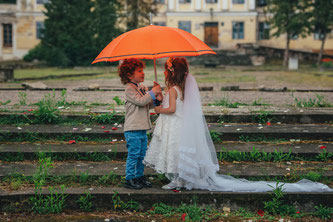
(198, 164)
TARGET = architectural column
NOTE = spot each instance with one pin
(171, 5)
(218, 5)
(252, 4)
(197, 5)
(18, 5)
(225, 4)
(1, 41)
(246, 5)
(14, 34)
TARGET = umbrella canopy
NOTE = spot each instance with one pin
(153, 42)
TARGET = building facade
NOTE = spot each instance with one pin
(222, 24)
(20, 24)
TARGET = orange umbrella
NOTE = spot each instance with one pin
(153, 42)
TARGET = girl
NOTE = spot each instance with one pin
(162, 154)
(182, 148)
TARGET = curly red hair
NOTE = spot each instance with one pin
(127, 68)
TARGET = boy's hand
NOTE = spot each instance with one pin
(157, 109)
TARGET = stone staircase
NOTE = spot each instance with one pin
(297, 151)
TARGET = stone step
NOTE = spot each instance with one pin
(226, 132)
(239, 169)
(304, 202)
(119, 150)
(304, 117)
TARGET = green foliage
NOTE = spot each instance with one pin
(119, 204)
(276, 206)
(316, 102)
(324, 156)
(254, 155)
(328, 65)
(22, 98)
(12, 157)
(47, 111)
(138, 12)
(86, 27)
(118, 100)
(289, 17)
(263, 117)
(107, 118)
(225, 102)
(85, 202)
(191, 212)
(111, 178)
(215, 136)
(313, 176)
(323, 212)
(259, 102)
(84, 177)
(44, 204)
(5, 103)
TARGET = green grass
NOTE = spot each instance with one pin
(41, 72)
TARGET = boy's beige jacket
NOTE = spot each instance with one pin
(137, 108)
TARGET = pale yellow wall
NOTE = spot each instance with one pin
(305, 44)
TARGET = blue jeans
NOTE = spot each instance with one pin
(136, 143)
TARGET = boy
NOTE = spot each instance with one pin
(137, 120)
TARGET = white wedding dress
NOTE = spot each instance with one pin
(182, 146)
(162, 153)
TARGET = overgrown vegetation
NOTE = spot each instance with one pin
(319, 101)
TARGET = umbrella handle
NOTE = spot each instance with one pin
(155, 70)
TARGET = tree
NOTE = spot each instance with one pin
(137, 12)
(76, 31)
(290, 17)
(105, 17)
(322, 22)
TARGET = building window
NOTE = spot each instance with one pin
(293, 36)
(184, 1)
(159, 23)
(261, 3)
(42, 1)
(211, 1)
(317, 35)
(39, 29)
(8, 2)
(263, 30)
(7, 35)
(238, 30)
(160, 1)
(238, 1)
(185, 25)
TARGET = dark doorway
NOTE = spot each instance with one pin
(211, 34)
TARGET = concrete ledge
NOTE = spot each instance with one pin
(239, 169)
(304, 202)
(119, 149)
(227, 132)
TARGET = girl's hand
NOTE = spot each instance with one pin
(157, 109)
(159, 97)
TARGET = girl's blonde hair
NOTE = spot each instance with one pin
(177, 69)
(127, 68)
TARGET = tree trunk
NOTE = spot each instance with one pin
(286, 52)
(321, 50)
